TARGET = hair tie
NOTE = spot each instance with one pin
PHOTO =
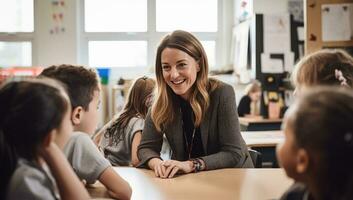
(339, 76)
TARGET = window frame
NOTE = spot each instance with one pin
(223, 34)
(23, 37)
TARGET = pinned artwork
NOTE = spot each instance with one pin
(58, 8)
(337, 23)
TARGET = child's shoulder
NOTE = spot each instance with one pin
(77, 141)
(297, 191)
(78, 138)
(84, 156)
(136, 122)
(27, 179)
(136, 119)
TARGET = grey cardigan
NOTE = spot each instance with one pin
(222, 142)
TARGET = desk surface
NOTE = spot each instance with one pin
(246, 120)
(216, 184)
(262, 138)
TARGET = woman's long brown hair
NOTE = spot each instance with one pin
(163, 109)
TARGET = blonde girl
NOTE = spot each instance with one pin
(324, 67)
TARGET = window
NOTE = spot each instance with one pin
(189, 15)
(16, 32)
(126, 33)
(118, 53)
(116, 16)
(15, 53)
(210, 48)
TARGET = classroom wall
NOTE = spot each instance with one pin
(55, 48)
(64, 48)
(49, 49)
(266, 7)
(270, 6)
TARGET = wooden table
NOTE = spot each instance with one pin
(259, 124)
(262, 138)
(217, 184)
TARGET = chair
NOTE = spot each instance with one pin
(256, 158)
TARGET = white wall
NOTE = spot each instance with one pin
(59, 48)
(265, 7)
(270, 6)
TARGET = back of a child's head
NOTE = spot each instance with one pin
(322, 123)
(140, 91)
(324, 67)
(81, 82)
(138, 101)
(29, 109)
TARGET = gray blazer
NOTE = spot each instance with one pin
(222, 142)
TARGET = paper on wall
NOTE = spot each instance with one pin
(301, 35)
(276, 33)
(288, 61)
(336, 22)
(270, 65)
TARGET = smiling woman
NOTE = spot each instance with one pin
(179, 71)
(196, 114)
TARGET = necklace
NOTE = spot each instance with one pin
(191, 144)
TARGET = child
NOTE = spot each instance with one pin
(84, 88)
(249, 105)
(324, 67)
(121, 136)
(34, 114)
(319, 144)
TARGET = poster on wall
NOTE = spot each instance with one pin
(337, 22)
(58, 8)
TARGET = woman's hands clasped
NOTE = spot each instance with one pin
(169, 168)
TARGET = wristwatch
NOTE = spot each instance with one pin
(197, 164)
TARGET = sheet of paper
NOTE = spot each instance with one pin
(288, 61)
(336, 22)
(301, 34)
(269, 65)
(276, 33)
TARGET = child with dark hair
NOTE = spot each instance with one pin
(34, 114)
(324, 67)
(89, 164)
(318, 145)
(122, 135)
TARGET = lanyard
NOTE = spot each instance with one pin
(191, 144)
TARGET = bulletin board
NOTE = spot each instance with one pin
(316, 22)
